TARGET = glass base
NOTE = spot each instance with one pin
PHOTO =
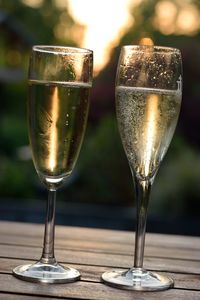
(137, 279)
(46, 273)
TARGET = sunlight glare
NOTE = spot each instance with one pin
(105, 22)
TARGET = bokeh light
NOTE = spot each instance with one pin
(177, 17)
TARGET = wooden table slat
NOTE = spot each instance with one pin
(104, 247)
(93, 273)
(103, 235)
(88, 290)
(100, 259)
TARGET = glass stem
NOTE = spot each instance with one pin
(48, 245)
(143, 188)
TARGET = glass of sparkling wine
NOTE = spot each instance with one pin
(60, 79)
(148, 100)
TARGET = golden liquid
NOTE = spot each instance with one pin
(57, 116)
(147, 119)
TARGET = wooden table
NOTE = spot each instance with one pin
(94, 251)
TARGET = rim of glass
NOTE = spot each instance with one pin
(55, 49)
(159, 49)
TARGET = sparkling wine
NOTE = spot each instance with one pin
(57, 116)
(147, 119)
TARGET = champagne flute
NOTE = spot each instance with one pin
(59, 83)
(148, 100)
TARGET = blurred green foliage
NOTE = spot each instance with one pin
(102, 165)
(176, 189)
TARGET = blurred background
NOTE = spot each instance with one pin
(100, 191)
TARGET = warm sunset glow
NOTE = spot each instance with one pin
(105, 22)
(100, 24)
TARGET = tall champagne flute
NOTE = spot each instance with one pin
(60, 79)
(148, 100)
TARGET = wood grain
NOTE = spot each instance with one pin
(100, 259)
(104, 247)
(94, 251)
(93, 273)
(88, 290)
